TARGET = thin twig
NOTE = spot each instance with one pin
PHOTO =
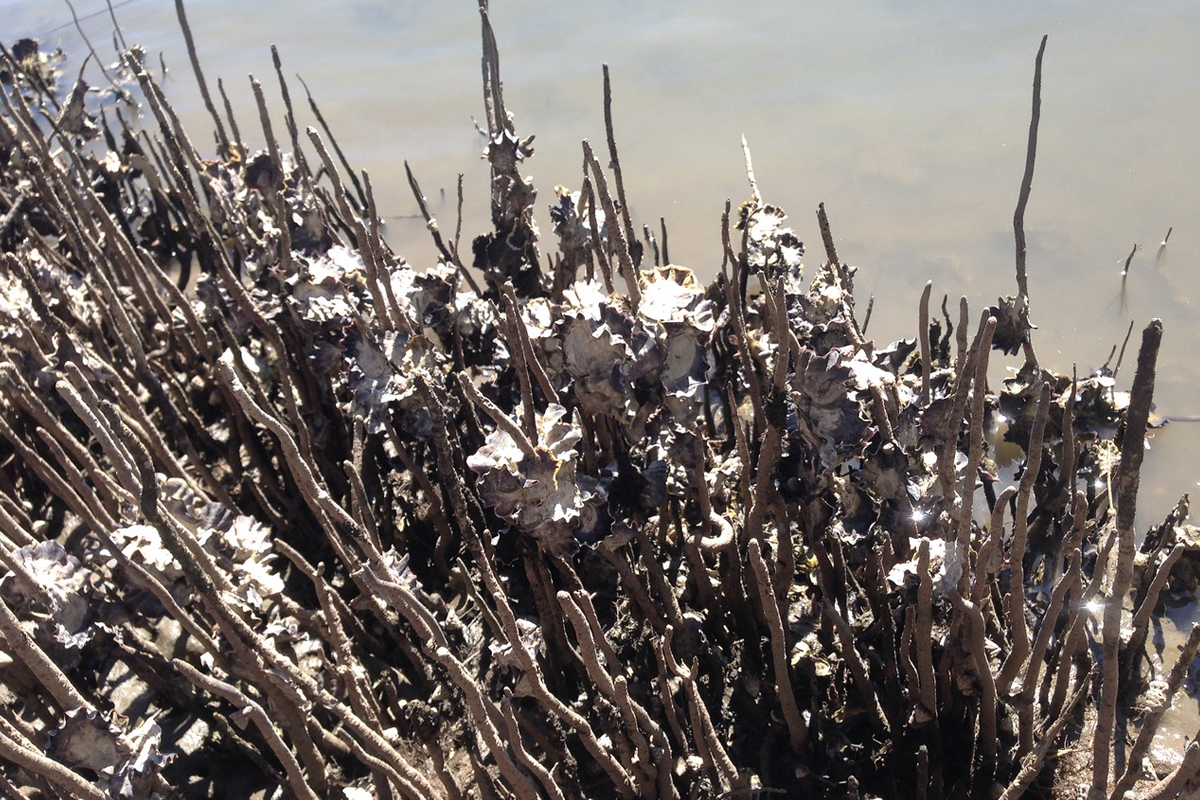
(923, 333)
(615, 165)
(858, 668)
(627, 269)
(222, 139)
(587, 195)
(1032, 679)
(666, 258)
(258, 716)
(1018, 629)
(797, 730)
(1027, 178)
(1124, 343)
(502, 420)
(755, 197)
(12, 749)
(1032, 763)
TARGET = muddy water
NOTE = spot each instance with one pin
(908, 121)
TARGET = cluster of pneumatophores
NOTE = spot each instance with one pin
(282, 516)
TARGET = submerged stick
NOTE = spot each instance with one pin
(1141, 746)
(1125, 487)
(1161, 257)
(1172, 786)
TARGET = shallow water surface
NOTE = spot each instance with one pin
(909, 121)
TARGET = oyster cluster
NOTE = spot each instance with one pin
(278, 507)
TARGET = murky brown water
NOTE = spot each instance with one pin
(909, 122)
